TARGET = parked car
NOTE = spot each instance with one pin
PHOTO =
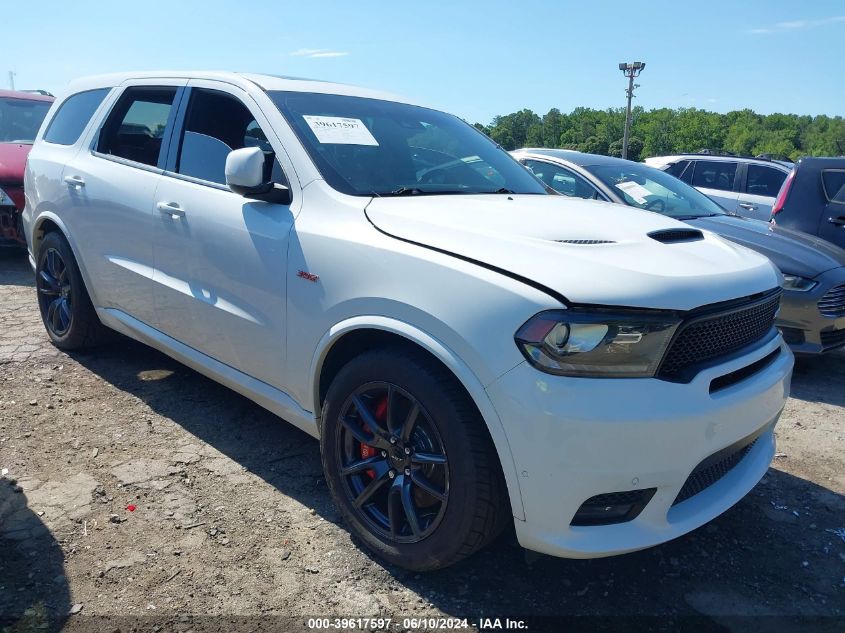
(745, 186)
(812, 314)
(812, 199)
(463, 344)
(21, 114)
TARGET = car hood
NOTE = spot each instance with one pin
(793, 252)
(521, 234)
(12, 162)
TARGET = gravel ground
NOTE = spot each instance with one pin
(135, 489)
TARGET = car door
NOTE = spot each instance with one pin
(111, 185)
(832, 222)
(220, 258)
(563, 180)
(716, 180)
(759, 188)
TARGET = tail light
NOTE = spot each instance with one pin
(783, 194)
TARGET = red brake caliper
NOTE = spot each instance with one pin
(367, 450)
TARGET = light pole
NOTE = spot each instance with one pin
(630, 70)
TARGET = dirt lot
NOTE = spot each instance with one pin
(232, 516)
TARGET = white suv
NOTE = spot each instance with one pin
(466, 347)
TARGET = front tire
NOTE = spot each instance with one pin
(66, 309)
(409, 461)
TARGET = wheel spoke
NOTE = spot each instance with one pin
(373, 487)
(52, 284)
(53, 315)
(377, 463)
(410, 422)
(409, 507)
(428, 458)
(355, 429)
(395, 512)
(64, 313)
(53, 263)
(424, 484)
(367, 417)
(391, 417)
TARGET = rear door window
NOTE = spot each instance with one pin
(833, 181)
(763, 181)
(711, 174)
(73, 115)
(135, 128)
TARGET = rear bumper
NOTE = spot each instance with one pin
(575, 438)
(804, 327)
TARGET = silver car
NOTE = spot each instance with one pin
(745, 186)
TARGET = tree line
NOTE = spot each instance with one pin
(664, 131)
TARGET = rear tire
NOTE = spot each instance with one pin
(66, 309)
(399, 427)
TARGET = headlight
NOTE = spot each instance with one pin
(5, 200)
(596, 342)
(801, 284)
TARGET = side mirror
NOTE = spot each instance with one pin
(245, 176)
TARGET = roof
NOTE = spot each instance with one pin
(243, 80)
(578, 158)
(29, 96)
(663, 160)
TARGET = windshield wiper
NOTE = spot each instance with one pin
(407, 191)
(695, 217)
(417, 191)
(500, 190)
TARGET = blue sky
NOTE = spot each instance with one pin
(475, 59)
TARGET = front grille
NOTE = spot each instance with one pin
(832, 304)
(833, 339)
(703, 339)
(712, 470)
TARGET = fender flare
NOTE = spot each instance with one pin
(55, 219)
(452, 361)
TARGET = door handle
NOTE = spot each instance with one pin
(172, 209)
(748, 206)
(74, 181)
(840, 221)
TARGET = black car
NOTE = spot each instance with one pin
(812, 199)
(812, 316)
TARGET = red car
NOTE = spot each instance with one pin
(21, 114)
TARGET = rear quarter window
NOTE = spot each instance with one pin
(73, 115)
(833, 182)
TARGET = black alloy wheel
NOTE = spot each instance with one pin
(55, 294)
(393, 463)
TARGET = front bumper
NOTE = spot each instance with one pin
(10, 227)
(804, 327)
(575, 438)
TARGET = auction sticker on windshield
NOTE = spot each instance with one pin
(635, 190)
(340, 130)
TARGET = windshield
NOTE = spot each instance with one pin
(654, 190)
(20, 119)
(373, 147)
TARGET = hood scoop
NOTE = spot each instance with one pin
(586, 242)
(671, 236)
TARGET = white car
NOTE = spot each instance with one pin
(466, 347)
